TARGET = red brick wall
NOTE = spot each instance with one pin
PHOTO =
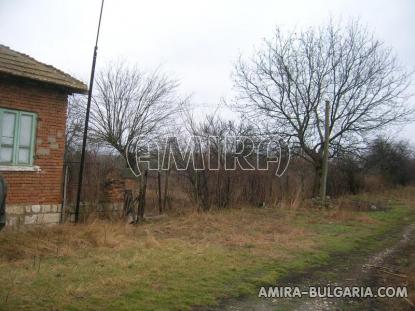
(114, 190)
(50, 105)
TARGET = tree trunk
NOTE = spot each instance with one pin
(325, 162)
(317, 179)
(159, 192)
(142, 196)
(227, 190)
(218, 190)
(166, 187)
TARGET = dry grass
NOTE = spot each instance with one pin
(405, 195)
(247, 228)
(64, 240)
(257, 229)
(192, 256)
(172, 262)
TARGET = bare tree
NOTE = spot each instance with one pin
(130, 105)
(130, 108)
(74, 122)
(390, 159)
(285, 86)
(215, 142)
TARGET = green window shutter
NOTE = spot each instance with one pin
(25, 139)
(17, 137)
(8, 121)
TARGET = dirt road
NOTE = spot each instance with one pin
(393, 265)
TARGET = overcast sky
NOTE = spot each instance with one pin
(195, 41)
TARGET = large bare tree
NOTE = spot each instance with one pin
(286, 83)
(130, 109)
(130, 106)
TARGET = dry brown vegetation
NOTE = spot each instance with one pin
(174, 262)
(230, 228)
(236, 227)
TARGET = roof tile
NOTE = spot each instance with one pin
(21, 65)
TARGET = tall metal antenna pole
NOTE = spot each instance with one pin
(88, 108)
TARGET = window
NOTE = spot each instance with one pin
(17, 137)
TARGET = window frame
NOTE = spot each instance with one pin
(16, 138)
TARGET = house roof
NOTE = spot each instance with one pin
(23, 66)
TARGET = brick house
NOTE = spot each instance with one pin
(33, 104)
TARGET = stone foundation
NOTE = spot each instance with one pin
(18, 215)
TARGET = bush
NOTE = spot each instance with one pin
(392, 160)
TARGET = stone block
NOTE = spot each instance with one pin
(12, 221)
(15, 209)
(51, 218)
(51, 139)
(43, 151)
(31, 220)
(47, 208)
(56, 208)
(36, 209)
